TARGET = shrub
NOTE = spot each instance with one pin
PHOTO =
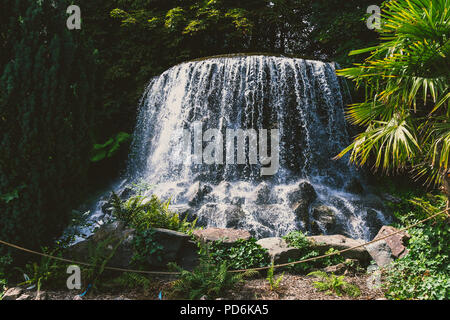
(333, 284)
(298, 240)
(205, 280)
(243, 254)
(424, 273)
(142, 213)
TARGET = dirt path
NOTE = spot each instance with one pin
(292, 287)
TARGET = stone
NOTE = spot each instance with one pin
(397, 243)
(234, 216)
(25, 297)
(77, 298)
(340, 242)
(176, 247)
(381, 253)
(373, 222)
(13, 293)
(338, 269)
(278, 249)
(197, 193)
(323, 216)
(305, 192)
(264, 195)
(354, 186)
(172, 243)
(228, 236)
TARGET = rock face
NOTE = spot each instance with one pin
(197, 193)
(354, 186)
(279, 250)
(301, 199)
(324, 217)
(381, 253)
(227, 236)
(339, 242)
(397, 243)
(177, 247)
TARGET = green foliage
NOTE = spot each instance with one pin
(46, 97)
(243, 254)
(99, 256)
(142, 213)
(130, 280)
(274, 283)
(333, 284)
(145, 246)
(298, 240)
(424, 273)
(207, 279)
(47, 272)
(5, 262)
(110, 147)
(406, 108)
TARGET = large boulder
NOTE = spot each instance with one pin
(397, 243)
(339, 242)
(227, 236)
(115, 236)
(354, 186)
(264, 195)
(197, 193)
(301, 199)
(381, 253)
(324, 217)
(279, 250)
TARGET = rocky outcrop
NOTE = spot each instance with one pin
(397, 243)
(116, 237)
(301, 199)
(279, 251)
(339, 242)
(264, 195)
(197, 193)
(381, 253)
(354, 186)
(324, 217)
(227, 236)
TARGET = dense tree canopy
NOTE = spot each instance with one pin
(45, 120)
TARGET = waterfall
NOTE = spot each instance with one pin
(302, 100)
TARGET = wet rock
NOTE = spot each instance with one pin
(304, 193)
(234, 216)
(397, 243)
(301, 199)
(227, 236)
(373, 221)
(13, 293)
(119, 238)
(381, 253)
(339, 242)
(264, 195)
(127, 193)
(197, 193)
(354, 186)
(323, 216)
(279, 250)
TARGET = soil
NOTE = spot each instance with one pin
(291, 287)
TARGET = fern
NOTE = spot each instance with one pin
(333, 284)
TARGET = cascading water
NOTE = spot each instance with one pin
(301, 99)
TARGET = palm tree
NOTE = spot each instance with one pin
(406, 111)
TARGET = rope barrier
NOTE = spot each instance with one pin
(232, 271)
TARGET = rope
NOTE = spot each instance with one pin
(233, 271)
